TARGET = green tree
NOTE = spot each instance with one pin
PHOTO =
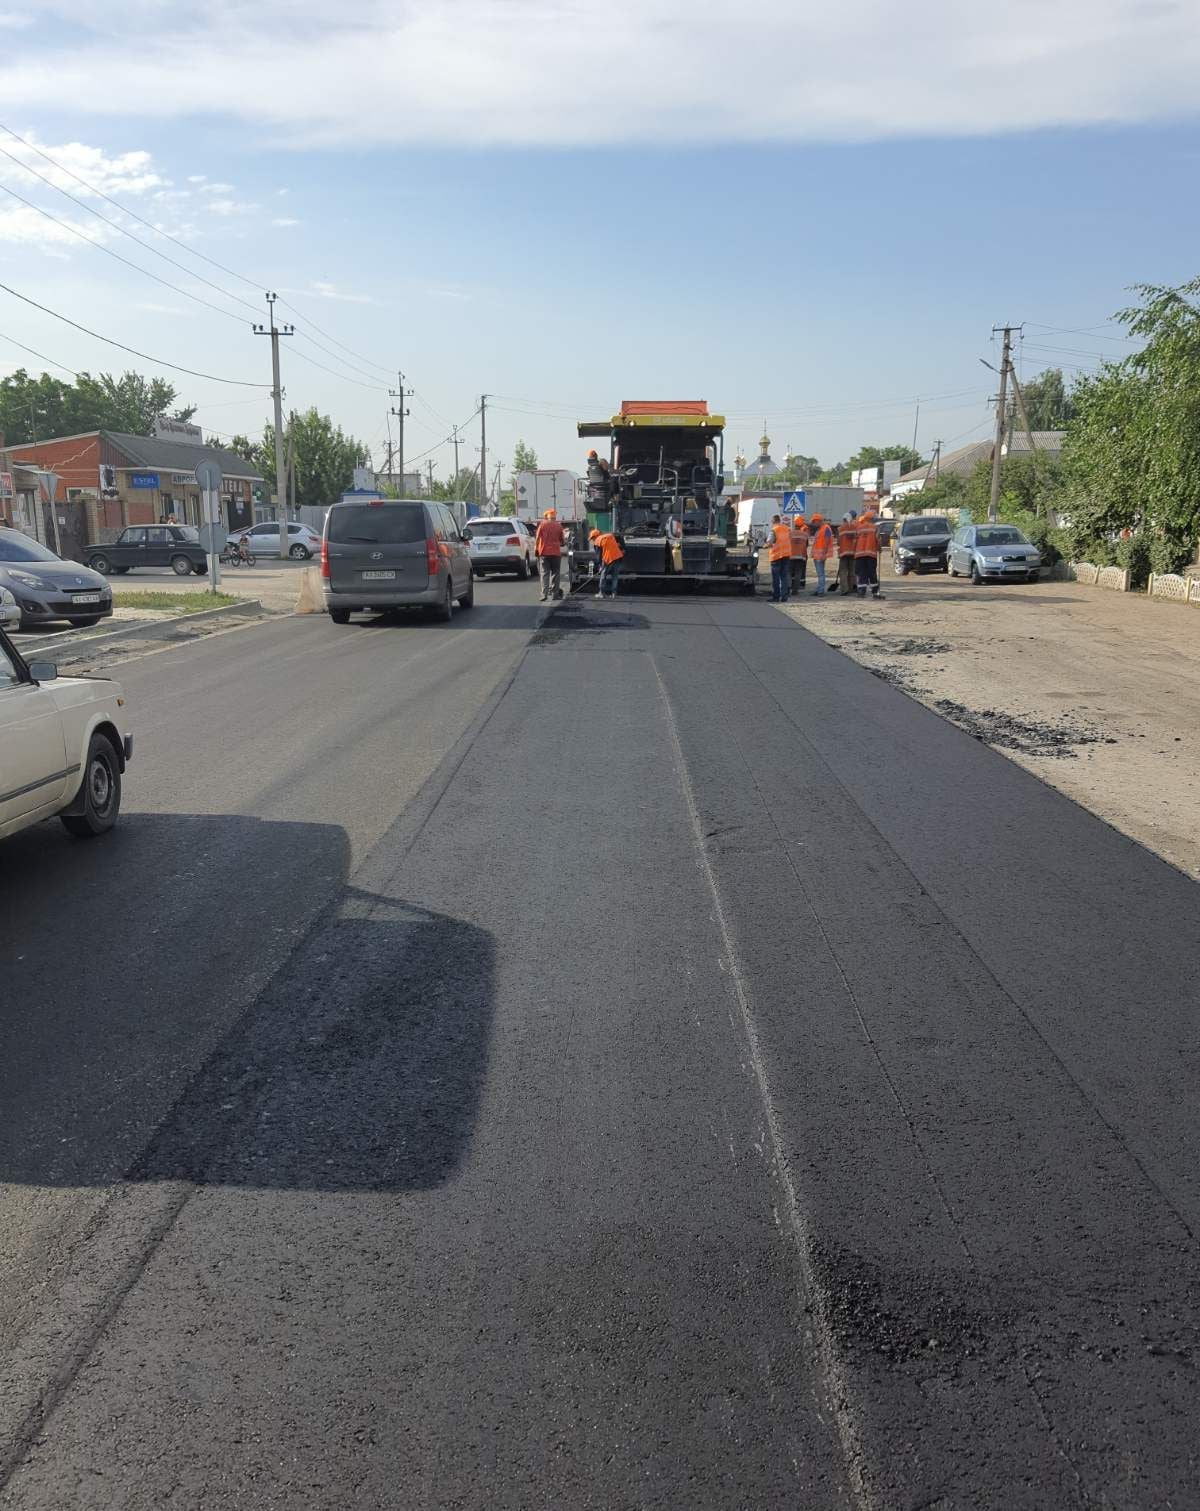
(524, 458)
(1031, 482)
(1132, 454)
(1047, 403)
(464, 484)
(41, 407)
(799, 470)
(242, 445)
(325, 457)
(873, 456)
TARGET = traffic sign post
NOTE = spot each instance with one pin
(793, 503)
(208, 475)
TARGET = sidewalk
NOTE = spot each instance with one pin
(1097, 692)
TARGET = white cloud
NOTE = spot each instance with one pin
(229, 207)
(127, 174)
(217, 189)
(14, 19)
(284, 221)
(197, 178)
(583, 72)
(23, 225)
(324, 290)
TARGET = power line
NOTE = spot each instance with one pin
(133, 351)
(108, 252)
(41, 356)
(368, 360)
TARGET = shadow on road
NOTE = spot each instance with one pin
(152, 1002)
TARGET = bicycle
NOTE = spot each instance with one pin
(232, 557)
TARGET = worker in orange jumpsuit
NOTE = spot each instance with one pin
(611, 555)
(866, 554)
(847, 534)
(779, 553)
(799, 552)
(820, 548)
(548, 548)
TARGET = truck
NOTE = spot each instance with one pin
(661, 489)
(547, 488)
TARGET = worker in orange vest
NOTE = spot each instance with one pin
(799, 552)
(847, 534)
(779, 553)
(548, 548)
(611, 556)
(820, 548)
(866, 554)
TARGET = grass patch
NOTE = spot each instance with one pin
(177, 603)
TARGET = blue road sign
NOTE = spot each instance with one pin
(143, 479)
(793, 503)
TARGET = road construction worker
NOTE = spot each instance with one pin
(847, 533)
(799, 552)
(611, 555)
(779, 553)
(820, 548)
(866, 554)
(548, 548)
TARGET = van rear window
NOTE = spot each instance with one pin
(381, 524)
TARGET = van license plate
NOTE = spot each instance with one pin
(376, 576)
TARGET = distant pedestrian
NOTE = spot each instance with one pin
(548, 548)
(611, 556)
(866, 554)
(820, 548)
(847, 533)
(779, 554)
(799, 552)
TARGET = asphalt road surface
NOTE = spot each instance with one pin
(639, 1059)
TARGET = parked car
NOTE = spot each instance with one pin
(920, 544)
(994, 553)
(394, 553)
(64, 745)
(10, 613)
(303, 543)
(174, 546)
(501, 545)
(48, 588)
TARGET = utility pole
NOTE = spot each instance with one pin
(429, 465)
(456, 451)
(275, 331)
(482, 454)
(916, 422)
(937, 463)
(998, 445)
(400, 413)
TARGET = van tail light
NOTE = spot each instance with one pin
(325, 560)
(431, 556)
(513, 540)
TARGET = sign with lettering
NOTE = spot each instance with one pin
(143, 479)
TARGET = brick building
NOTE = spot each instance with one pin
(107, 480)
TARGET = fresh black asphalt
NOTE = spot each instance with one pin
(640, 1061)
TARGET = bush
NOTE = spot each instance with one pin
(1135, 554)
(1169, 554)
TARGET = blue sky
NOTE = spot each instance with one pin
(819, 255)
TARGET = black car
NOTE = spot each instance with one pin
(174, 546)
(46, 587)
(920, 544)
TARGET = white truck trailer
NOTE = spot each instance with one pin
(547, 488)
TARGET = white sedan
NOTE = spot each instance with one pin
(64, 744)
(263, 540)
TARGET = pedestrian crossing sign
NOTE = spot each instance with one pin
(793, 503)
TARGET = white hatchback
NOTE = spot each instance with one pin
(501, 545)
(64, 744)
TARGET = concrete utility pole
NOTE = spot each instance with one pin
(456, 451)
(400, 412)
(998, 446)
(483, 453)
(429, 465)
(275, 331)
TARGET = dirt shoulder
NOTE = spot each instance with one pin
(1096, 692)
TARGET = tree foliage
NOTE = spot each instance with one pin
(525, 458)
(799, 470)
(1047, 403)
(463, 484)
(1132, 455)
(325, 457)
(873, 456)
(41, 407)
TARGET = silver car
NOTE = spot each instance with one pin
(48, 588)
(385, 553)
(993, 553)
(263, 540)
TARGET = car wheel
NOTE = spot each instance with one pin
(467, 600)
(446, 612)
(300, 553)
(181, 566)
(523, 571)
(99, 799)
(340, 616)
(201, 569)
(100, 564)
(950, 567)
(899, 568)
(976, 578)
(1033, 577)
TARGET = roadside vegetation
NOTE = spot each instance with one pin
(178, 603)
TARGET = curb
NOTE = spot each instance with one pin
(144, 629)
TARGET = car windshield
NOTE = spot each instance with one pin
(931, 526)
(17, 547)
(377, 524)
(480, 527)
(1002, 537)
